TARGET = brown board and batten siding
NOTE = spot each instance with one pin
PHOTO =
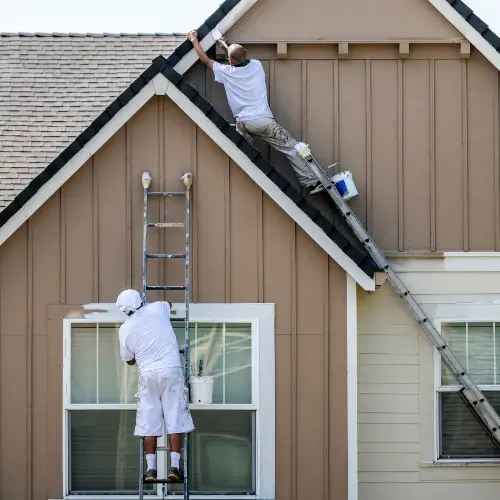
(84, 245)
(420, 133)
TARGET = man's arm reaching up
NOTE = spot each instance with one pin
(193, 38)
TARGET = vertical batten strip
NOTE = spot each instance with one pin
(194, 215)
(400, 159)
(227, 229)
(496, 139)
(162, 203)
(29, 362)
(432, 155)
(294, 388)
(326, 379)
(369, 151)
(465, 155)
(336, 120)
(62, 244)
(303, 100)
(95, 226)
(128, 200)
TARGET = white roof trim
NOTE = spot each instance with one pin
(468, 31)
(235, 15)
(270, 188)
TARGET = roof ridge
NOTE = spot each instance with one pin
(87, 35)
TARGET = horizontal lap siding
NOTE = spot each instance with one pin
(84, 246)
(396, 387)
(420, 136)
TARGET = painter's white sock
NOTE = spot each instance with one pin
(151, 461)
(175, 458)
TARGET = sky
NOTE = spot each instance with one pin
(155, 16)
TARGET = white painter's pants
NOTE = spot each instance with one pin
(280, 139)
(163, 398)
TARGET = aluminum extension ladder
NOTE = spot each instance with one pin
(187, 179)
(470, 392)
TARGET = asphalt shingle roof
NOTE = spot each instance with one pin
(53, 86)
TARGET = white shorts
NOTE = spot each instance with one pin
(163, 398)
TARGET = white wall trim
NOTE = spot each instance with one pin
(232, 17)
(73, 165)
(352, 390)
(262, 319)
(468, 31)
(270, 188)
(449, 262)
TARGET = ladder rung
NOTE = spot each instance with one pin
(165, 256)
(166, 224)
(165, 287)
(166, 193)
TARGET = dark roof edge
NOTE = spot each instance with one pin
(361, 258)
(476, 22)
(161, 65)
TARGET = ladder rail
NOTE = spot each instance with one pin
(470, 392)
(187, 181)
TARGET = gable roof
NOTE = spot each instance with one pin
(147, 84)
(53, 86)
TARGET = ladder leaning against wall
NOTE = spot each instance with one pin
(469, 392)
(187, 179)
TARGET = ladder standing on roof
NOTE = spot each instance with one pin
(470, 392)
(187, 179)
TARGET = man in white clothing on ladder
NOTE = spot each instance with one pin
(148, 339)
(245, 83)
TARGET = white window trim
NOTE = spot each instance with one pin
(453, 388)
(263, 387)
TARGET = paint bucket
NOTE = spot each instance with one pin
(345, 185)
(201, 390)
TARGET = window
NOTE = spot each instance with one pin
(460, 435)
(232, 448)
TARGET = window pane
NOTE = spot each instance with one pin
(227, 356)
(117, 380)
(238, 364)
(454, 335)
(222, 453)
(474, 346)
(481, 353)
(83, 364)
(462, 436)
(104, 454)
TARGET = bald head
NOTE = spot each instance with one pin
(236, 53)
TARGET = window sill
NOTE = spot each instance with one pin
(461, 463)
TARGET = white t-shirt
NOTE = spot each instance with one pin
(246, 89)
(148, 337)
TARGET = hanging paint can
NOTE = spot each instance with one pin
(345, 185)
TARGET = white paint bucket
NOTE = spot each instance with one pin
(201, 390)
(345, 185)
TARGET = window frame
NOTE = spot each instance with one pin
(439, 388)
(261, 317)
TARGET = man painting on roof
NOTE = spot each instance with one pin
(244, 81)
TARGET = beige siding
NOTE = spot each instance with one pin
(273, 20)
(419, 134)
(396, 386)
(84, 245)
